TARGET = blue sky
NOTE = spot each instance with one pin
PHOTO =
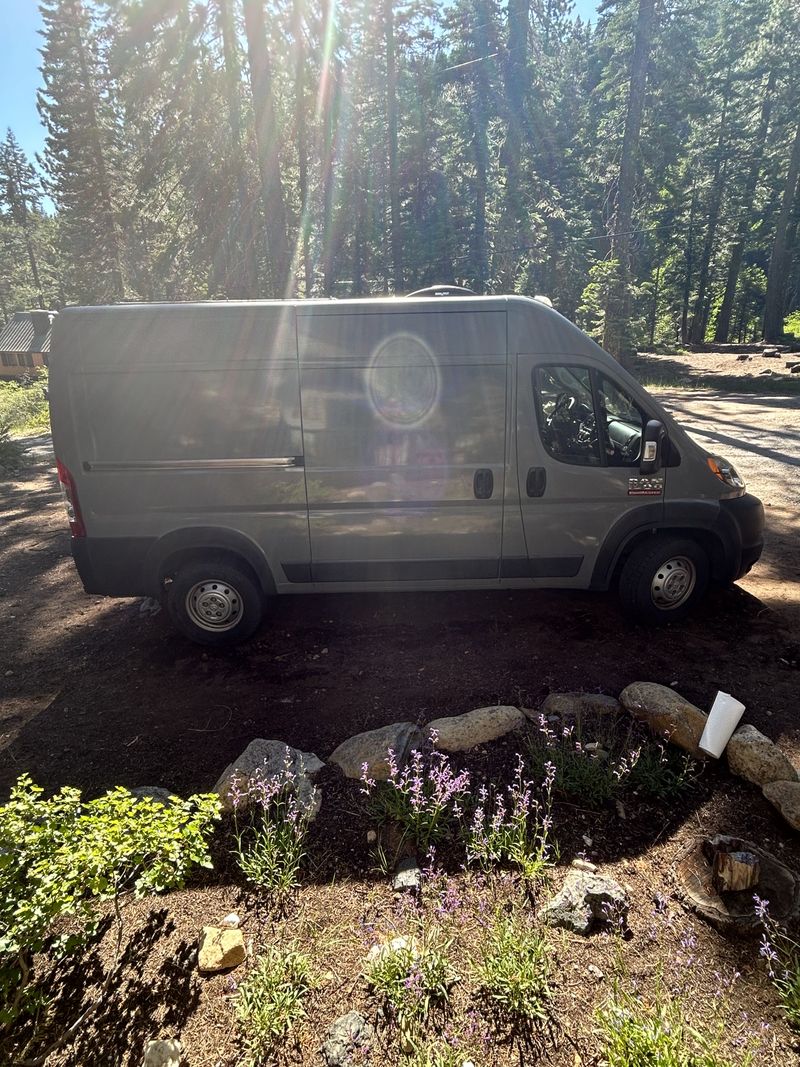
(19, 69)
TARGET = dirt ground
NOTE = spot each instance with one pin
(96, 693)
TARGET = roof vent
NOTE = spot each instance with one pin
(544, 300)
(444, 290)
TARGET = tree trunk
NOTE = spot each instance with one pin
(776, 275)
(301, 133)
(697, 329)
(687, 283)
(391, 121)
(245, 284)
(268, 148)
(654, 310)
(618, 310)
(723, 324)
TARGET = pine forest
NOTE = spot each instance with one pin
(640, 170)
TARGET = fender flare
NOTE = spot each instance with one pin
(684, 517)
(211, 538)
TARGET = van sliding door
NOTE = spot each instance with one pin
(404, 438)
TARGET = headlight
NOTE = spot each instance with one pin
(725, 471)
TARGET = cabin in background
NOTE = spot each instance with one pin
(25, 343)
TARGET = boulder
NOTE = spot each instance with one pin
(345, 1036)
(785, 796)
(667, 714)
(220, 949)
(585, 902)
(754, 757)
(372, 748)
(265, 759)
(576, 705)
(163, 1053)
(460, 733)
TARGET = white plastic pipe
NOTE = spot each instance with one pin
(722, 720)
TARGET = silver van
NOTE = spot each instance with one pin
(216, 454)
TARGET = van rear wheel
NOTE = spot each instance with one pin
(215, 602)
(662, 579)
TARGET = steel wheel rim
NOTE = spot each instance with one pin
(673, 583)
(214, 605)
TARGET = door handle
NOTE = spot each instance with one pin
(536, 482)
(483, 484)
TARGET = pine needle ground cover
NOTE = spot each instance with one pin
(464, 968)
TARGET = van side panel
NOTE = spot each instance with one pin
(179, 418)
(404, 420)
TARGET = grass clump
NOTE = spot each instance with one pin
(640, 1034)
(412, 977)
(270, 1001)
(513, 972)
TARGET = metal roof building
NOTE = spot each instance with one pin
(25, 342)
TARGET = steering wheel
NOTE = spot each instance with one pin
(562, 408)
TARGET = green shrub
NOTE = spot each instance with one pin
(412, 977)
(270, 1000)
(23, 404)
(513, 971)
(60, 857)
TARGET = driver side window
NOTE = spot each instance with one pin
(565, 411)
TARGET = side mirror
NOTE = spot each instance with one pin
(652, 447)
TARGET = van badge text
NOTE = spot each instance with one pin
(645, 486)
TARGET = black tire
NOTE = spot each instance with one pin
(662, 579)
(214, 601)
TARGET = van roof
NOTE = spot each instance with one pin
(326, 304)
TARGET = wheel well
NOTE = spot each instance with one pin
(172, 563)
(708, 541)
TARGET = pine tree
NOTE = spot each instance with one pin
(20, 187)
(80, 123)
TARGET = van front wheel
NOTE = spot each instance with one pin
(215, 602)
(663, 579)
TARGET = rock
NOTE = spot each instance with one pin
(154, 792)
(584, 865)
(387, 948)
(754, 757)
(576, 705)
(460, 733)
(743, 357)
(231, 921)
(666, 713)
(220, 949)
(770, 353)
(586, 901)
(785, 796)
(595, 972)
(372, 837)
(163, 1053)
(264, 759)
(372, 748)
(693, 877)
(407, 875)
(347, 1034)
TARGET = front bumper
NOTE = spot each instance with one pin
(744, 514)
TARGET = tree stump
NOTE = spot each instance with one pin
(735, 871)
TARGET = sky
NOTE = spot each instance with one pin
(19, 69)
